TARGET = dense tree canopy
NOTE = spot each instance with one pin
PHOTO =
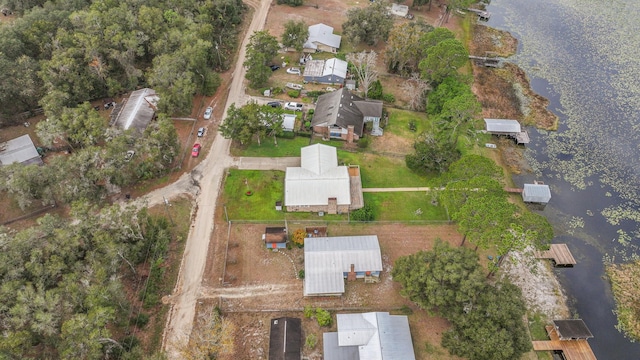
(369, 24)
(443, 60)
(443, 280)
(62, 53)
(261, 49)
(252, 120)
(61, 290)
(404, 47)
(295, 34)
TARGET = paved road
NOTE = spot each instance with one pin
(209, 177)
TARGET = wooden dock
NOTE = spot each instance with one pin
(571, 349)
(559, 253)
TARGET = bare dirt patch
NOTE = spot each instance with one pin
(260, 284)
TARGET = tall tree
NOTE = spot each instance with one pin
(444, 280)
(403, 51)
(416, 88)
(295, 34)
(491, 329)
(211, 338)
(364, 66)
(242, 123)
(443, 60)
(262, 48)
(369, 24)
(431, 154)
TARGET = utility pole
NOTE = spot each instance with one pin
(166, 208)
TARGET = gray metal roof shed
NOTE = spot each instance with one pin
(375, 336)
(327, 259)
(572, 329)
(138, 111)
(20, 150)
(536, 193)
(502, 126)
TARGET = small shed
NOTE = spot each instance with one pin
(507, 127)
(536, 193)
(275, 237)
(20, 150)
(330, 71)
(574, 329)
(285, 339)
(399, 10)
(288, 122)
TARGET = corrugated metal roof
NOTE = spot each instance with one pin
(318, 179)
(313, 68)
(375, 335)
(288, 122)
(332, 351)
(323, 34)
(502, 125)
(538, 193)
(335, 66)
(20, 150)
(138, 111)
(326, 259)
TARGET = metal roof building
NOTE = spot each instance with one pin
(502, 126)
(285, 339)
(331, 71)
(20, 150)
(536, 193)
(318, 179)
(327, 260)
(138, 111)
(370, 336)
(319, 35)
(572, 329)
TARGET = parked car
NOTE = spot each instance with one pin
(274, 104)
(294, 71)
(294, 86)
(196, 150)
(293, 106)
(274, 67)
(208, 112)
(201, 132)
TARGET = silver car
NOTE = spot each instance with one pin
(208, 112)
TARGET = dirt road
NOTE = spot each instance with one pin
(187, 290)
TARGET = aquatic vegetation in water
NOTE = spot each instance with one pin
(616, 214)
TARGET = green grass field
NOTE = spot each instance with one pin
(381, 171)
(404, 206)
(399, 123)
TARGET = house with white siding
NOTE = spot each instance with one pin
(329, 261)
(320, 185)
(322, 38)
(369, 336)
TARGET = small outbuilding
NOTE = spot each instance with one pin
(275, 237)
(288, 122)
(285, 339)
(536, 193)
(19, 150)
(399, 10)
(138, 110)
(507, 127)
(573, 329)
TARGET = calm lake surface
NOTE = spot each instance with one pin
(584, 56)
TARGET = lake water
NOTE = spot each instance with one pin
(584, 56)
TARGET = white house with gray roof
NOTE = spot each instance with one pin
(320, 185)
(331, 71)
(369, 336)
(322, 38)
(328, 261)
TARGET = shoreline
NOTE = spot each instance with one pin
(506, 92)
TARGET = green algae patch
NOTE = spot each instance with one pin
(625, 284)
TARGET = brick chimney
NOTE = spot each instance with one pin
(350, 130)
(351, 276)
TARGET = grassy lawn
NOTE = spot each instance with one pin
(399, 123)
(381, 171)
(267, 187)
(404, 206)
(285, 147)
